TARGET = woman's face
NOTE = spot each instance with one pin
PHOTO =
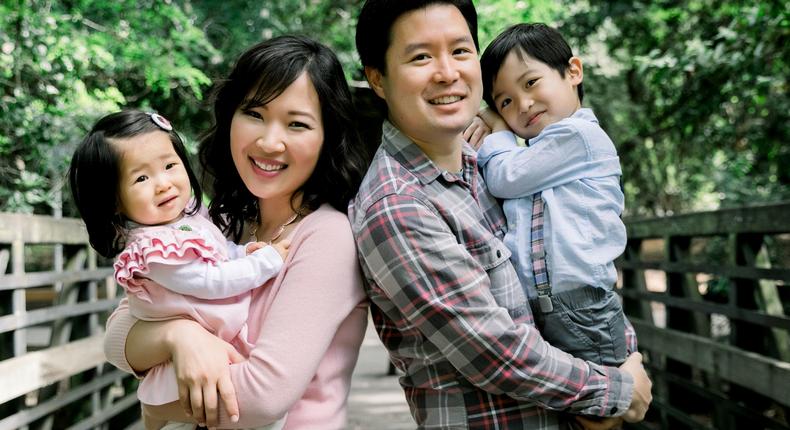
(275, 147)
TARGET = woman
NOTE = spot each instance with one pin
(285, 160)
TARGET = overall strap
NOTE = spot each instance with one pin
(540, 270)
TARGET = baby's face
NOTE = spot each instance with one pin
(153, 185)
(530, 95)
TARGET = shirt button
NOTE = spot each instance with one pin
(614, 410)
(498, 253)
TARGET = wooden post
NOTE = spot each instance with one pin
(18, 302)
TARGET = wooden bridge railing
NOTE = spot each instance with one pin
(54, 301)
(708, 295)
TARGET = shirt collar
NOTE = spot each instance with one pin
(406, 152)
(586, 114)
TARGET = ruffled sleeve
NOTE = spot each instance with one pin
(163, 245)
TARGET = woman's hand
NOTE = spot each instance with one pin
(201, 361)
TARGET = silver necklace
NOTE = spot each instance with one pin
(278, 233)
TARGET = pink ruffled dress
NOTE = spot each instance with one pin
(183, 242)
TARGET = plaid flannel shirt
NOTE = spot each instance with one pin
(448, 305)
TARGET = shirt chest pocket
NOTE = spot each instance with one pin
(489, 254)
(505, 288)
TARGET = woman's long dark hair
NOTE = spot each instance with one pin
(261, 74)
(94, 176)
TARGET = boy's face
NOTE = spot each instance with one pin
(530, 95)
(432, 83)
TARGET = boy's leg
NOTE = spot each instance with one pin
(587, 323)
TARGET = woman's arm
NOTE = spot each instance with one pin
(201, 359)
(320, 288)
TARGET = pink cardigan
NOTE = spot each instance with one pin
(309, 323)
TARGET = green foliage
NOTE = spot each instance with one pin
(239, 24)
(695, 94)
(495, 16)
(66, 64)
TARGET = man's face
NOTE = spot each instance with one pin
(432, 84)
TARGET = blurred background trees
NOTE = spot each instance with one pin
(694, 93)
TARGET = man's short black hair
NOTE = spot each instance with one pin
(374, 26)
(539, 41)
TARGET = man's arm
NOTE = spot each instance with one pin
(442, 291)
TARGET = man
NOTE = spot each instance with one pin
(446, 300)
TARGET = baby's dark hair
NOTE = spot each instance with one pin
(539, 41)
(95, 171)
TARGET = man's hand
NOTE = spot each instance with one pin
(642, 386)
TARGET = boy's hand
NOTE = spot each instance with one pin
(476, 132)
(642, 386)
(282, 247)
(493, 120)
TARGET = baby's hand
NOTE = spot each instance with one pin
(476, 132)
(492, 119)
(254, 246)
(282, 247)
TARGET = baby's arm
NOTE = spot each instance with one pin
(281, 247)
(205, 280)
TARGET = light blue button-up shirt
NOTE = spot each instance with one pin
(573, 162)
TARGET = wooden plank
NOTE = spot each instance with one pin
(137, 425)
(768, 219)
(39, 229)
(761, 374)
(38, 279)
(43, 315)
(5, 257)
(21, 375)
(716, 397)
(742, 272)
(27, 416)
(756, 317)
(18, 300)
(116, 408)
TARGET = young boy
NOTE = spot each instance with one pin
(562, 192)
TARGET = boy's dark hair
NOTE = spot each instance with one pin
(539, 41)
(94, 175)
(374, 26)
(259, 76)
